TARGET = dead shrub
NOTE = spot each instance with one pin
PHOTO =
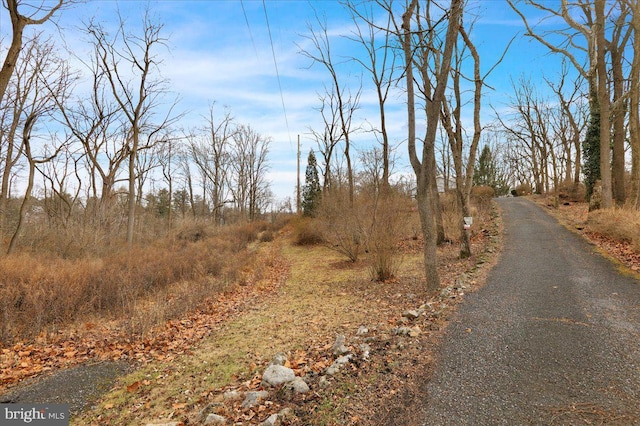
(266, 236)
(481, 197)
(344, 223)
(388, 223)
(306, 232)
(523, 189)
(193, 232)
(450, 213)
(572, 192)
(38, 293)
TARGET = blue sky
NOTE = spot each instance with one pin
(220, 51)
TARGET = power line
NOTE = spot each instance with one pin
(246, 19)
(275, 63)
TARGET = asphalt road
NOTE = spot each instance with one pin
(553, 338)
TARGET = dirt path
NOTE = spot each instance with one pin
(551, 339)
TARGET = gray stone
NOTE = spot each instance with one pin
(279, 359)
(253, 398)
(337, 364)
(323, 383)
(215, 419)
(286, 414)
(362, 331)
(365, 351)
(401, 331)
(164, 424)
(276, 375)
(299, 385)
(411, 314)
(272, 420)
(232, 395)
(339, 347)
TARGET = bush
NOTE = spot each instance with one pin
(523, 189)
(382, 240)
(344, 223)
(306, 232)
(572, 192)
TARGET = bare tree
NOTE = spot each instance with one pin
(249, 162)
(329, 137)
(380, 65)
(452, 121)
(129, 63)
(634, 104)
(437, 82)
(346, 101)
(44, 74)
(38, 15)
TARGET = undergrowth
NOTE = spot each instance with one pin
(144, 284)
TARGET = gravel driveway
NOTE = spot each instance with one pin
(553, 337)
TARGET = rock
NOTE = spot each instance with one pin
(215, 419)
(287, 414)
(276, 375)
(415, 331)
(362, 331)
(298, 385)
(411, 314)
(272, 420)
(253, 398)
(164, 424)
(323, 383)
(279, 359)
(337, 364)
(232, 395)
(447, 292)
(339, 347)
(365, 351)
(460, 282)
(401, 331)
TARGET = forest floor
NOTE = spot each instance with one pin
(308, 297)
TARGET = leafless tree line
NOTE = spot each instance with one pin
(99, 135)
(601, 42)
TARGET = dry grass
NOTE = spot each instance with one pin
(145, 284)
(618, 223)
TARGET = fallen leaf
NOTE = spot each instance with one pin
(133, 386)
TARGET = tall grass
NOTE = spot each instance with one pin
(621, 224)
(146, 284)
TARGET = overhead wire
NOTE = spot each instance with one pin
(275, 63)
(246, 20)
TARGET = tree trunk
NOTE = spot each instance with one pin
(604, 102)
(619, 131)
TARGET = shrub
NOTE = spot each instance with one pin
(523, 189)
(306, 232)
(572, 192)
(343, 223)
(387, 225)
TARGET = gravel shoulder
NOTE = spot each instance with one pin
(551, 339)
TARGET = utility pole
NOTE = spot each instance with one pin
(298, 202)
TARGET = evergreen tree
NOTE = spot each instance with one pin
(311, 192)
(486, 173)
